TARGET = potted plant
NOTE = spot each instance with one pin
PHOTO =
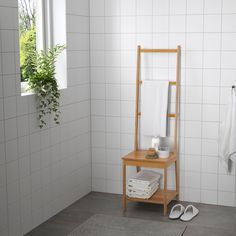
(42, 82)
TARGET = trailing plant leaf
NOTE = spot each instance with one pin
(42, 81)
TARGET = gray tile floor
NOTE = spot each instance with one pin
(211, 221)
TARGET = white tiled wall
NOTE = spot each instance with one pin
(206, 31)
(43, 171)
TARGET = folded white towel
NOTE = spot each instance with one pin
(154, 103)
(142, 194)
(144, 184)
(228, 134)
(139, 187)
(145, 178)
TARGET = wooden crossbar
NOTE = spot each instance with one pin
(168, 115)
(158, 50)
(170, 82)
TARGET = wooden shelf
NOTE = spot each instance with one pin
(157, 198)
(137, 158)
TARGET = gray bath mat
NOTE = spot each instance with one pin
(104, 225)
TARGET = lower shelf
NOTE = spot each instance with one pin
(157, 197)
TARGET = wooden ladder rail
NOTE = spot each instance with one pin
(176, 115)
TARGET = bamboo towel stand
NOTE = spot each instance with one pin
(137, 157)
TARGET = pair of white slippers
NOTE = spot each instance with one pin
(185, 214)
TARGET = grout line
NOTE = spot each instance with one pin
(90, 100)
(7, 195)
(184, 114)
(120, 166)
(105, 89)
(218, 166)
(202, 90)
(18, 159)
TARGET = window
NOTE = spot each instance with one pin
(42, 24)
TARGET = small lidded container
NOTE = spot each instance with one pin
(163, 147)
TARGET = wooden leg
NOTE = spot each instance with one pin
(165, 191)
(177, 179)
(124, 187)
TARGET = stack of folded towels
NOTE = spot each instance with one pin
(144, 184)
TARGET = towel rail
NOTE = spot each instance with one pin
(170, 115)
(170, 82)
(158, 50)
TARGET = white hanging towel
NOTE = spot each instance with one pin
(228, 134)
(154, 103)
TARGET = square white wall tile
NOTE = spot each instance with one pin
(210, 113)
(113, 124)
(193, 129)
(195, 7)
(98, 123)
(194, 23)
(210, 130)
(192, 146)
(212, 23)
(226, 198)
(177, 7)
(209, 147)
(212, 41)
(211, 77)
(213, 6)
(144, 24)
(193, 94)
(192, 180)
(112, 24)
(211, 95)
(113, 140)
(97, 25)
(128, 7)
(192, 195)
(193, 112)
(229, 6)
(113, 108)
(209, 164)
(194, 41)
(209, 196)
(177, 23)
(228, 23)
(209, 181)
(9, 107)
(113, 92)
(227, 41)
(97, 7)
(112, 7)
(113, 156)
(192, 163)
(226, 183)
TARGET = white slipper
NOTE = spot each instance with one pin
(176, 211)
(189, 213)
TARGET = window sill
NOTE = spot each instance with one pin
(25, 91)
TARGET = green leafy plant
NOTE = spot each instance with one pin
(27, 46)
(41, 79)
